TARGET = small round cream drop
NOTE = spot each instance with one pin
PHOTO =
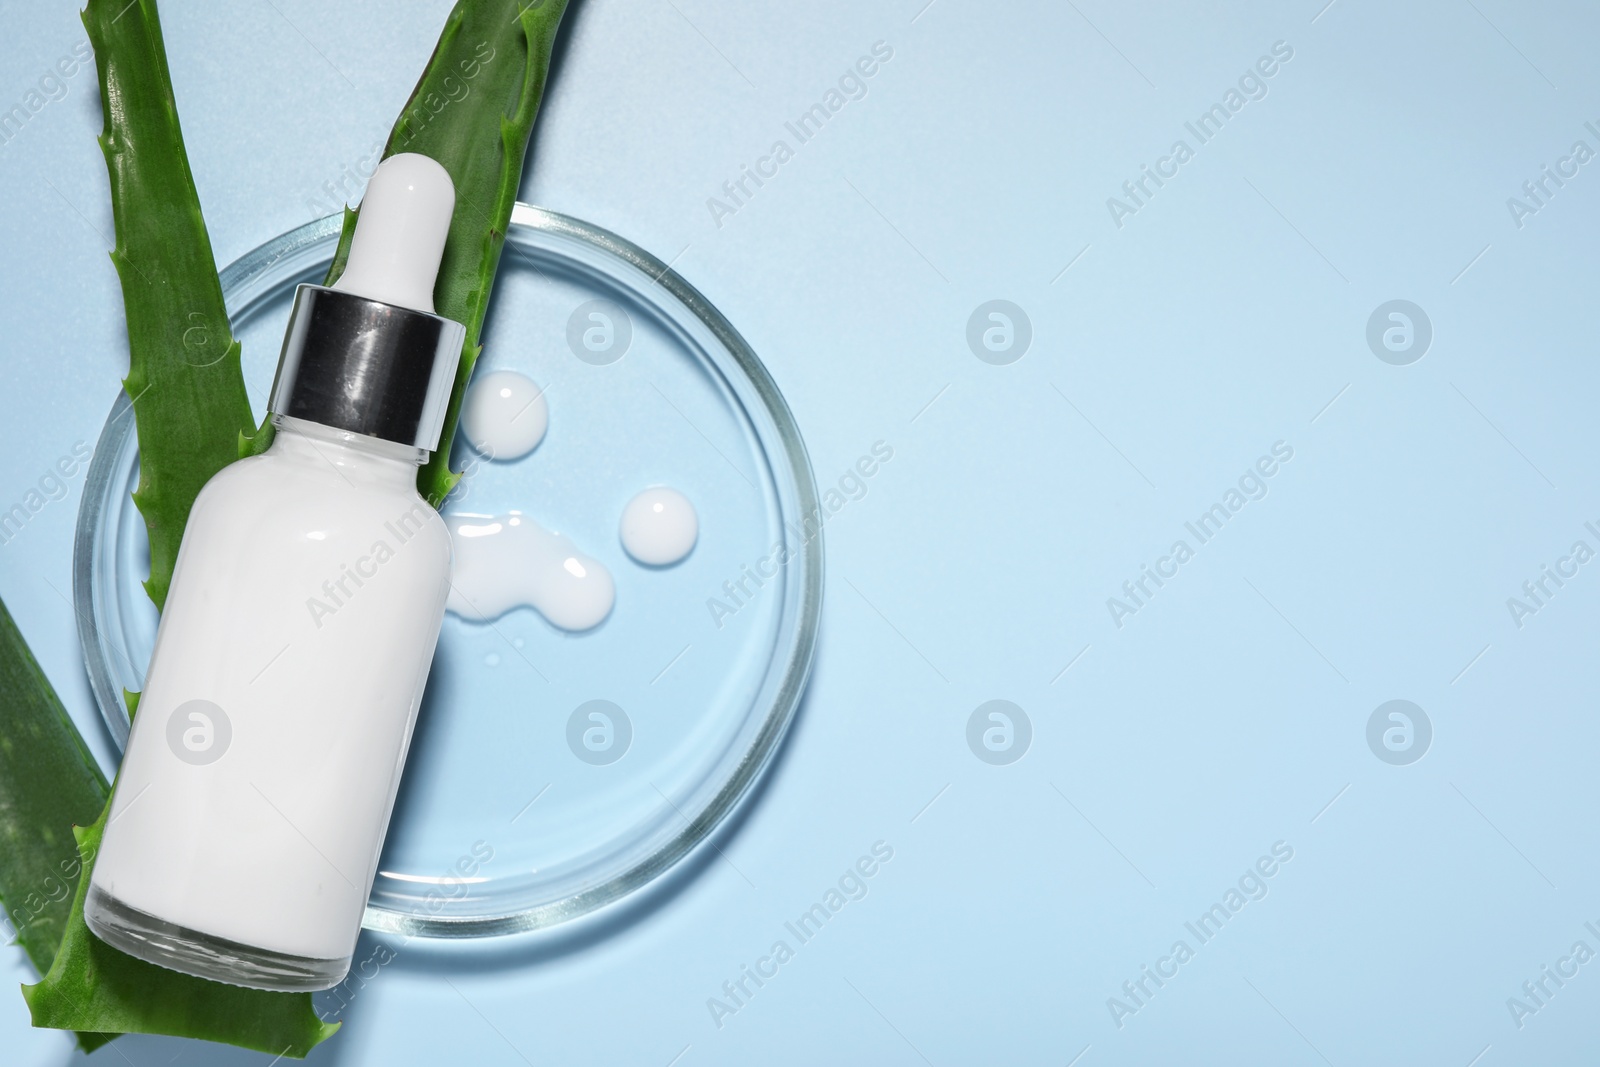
(505, 415)
(659, 526)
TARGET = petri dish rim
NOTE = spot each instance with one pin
(255, 277)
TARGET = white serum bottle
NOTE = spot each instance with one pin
(300, 624)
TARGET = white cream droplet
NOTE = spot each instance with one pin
(507, 561)
(659, 526)
(505, 414)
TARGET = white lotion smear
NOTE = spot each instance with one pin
(505, 415)
(659, 526)
(507, 561)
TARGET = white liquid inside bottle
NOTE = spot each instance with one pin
(305, 604)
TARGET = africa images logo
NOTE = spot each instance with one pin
(999, 732)
(599, 732)
(199, 732)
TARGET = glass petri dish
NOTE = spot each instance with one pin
(553, 772)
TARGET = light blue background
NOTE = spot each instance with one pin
(1228, 314)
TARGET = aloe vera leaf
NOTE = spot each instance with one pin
(48, 782)
(184, 376)
(473, 111)
(93, 987)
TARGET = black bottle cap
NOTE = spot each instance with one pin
(367, 367)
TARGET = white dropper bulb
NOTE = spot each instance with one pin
(400, 233)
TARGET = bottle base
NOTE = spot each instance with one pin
(179, 948)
